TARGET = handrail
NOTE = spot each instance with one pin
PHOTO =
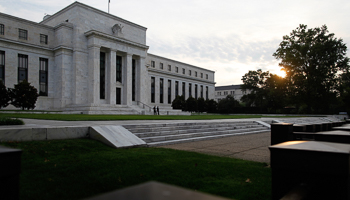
(150, 108)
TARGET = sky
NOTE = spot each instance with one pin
(229, 37)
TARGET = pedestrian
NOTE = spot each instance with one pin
(158, 110)
(154, 110)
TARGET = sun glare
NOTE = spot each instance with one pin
(281, 73)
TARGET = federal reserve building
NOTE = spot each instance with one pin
(85, 60)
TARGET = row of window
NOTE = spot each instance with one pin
(23, 71)
(226, 93)
(161, 90)
(153, 65)
(23, 34)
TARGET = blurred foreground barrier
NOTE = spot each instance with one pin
(155, 191)
(321, 168)
(281, 132)
(10, 167)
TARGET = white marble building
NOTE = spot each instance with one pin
(86, 60)
(222, 92)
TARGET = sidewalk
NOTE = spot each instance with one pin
(253, 147)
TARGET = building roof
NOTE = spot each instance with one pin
(228, 87)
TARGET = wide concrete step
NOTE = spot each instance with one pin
(197, 134)
(195, 130)
(132, 126)
(185, 127)
(194, 139)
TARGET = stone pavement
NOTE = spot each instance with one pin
(253, 147)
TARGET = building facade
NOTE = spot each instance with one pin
(222, 92)
(84, 59)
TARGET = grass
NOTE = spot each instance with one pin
(81, 117)
(81, 168)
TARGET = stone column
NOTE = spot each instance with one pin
(128, 80)
(94, 74)
(143, 87)
(111, 78)
(172, 90)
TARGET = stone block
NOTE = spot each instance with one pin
(67, 133)
(281, 132)
(323, 167)
(10, 168)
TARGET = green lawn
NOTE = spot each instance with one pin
(81, 168)
(77, 117)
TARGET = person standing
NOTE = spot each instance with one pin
(154, 110)
(158, 110)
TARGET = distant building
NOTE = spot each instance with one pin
(221, 92)
(85, 60)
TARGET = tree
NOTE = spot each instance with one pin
(24, 95)
(201, 104)
(228, 105)
(254, 82)
(211, 106)
(191, 104)
(313, 60)
(4, 95)
(178, 102)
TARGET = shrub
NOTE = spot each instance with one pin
(9, 121)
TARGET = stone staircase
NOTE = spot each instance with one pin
(166, 134)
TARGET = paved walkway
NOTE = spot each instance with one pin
(252, 147)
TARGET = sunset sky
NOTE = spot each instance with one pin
(229, 37)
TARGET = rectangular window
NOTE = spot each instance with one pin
(201, 75)
(2, 29)
(2, 66)
(183, 71)
(169, 67)
(23, 34)
(206, 76)
(195, 74)
(176, 69)
(196, 91)
(206, 93)
(133, 79)
(153, 64)
(153, 89)
(161, 81)
(169, 91)
(102, 75)
(176, 88)
(43, 76)
(232, 92)
(22, 67)
(160, 65)
(43, 39)
(190, 72)
(189, 90)
(201, 91)
(183, 89)
(119, 69)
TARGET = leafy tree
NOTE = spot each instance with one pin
(24, 95)
(191, 104)
(276, 93)
(254, 82)
(178, 102)
(4, 95)
(313, 60)
(228, 105)
(202, 106)
(211, 106)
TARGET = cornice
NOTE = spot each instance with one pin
(179, 76)
(78, 4)
(93, 33)
(25, 44)
(180, 62)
